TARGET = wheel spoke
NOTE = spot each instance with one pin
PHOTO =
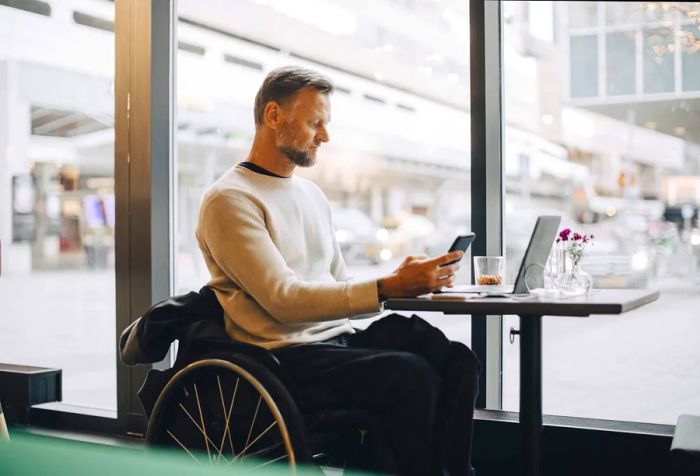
(194, 422)
(201, 418)
(242, 452)
(266, 441)
(264, 451)
(181, 445)
(227, 431)
(252, 424)
(269, 462)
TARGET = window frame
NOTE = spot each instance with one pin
(487, 185)
(143, 170)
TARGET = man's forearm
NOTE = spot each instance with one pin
(381, 290)
(386, 288)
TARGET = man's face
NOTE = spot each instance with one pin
(304, 128)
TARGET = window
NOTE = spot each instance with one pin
(625, 170)
(33, 6)
(57, 215)
(93, 21)
(659, 47)
(243, 62)
(584, 66)
(584, 15)
(691, 70)
(689, 43)
(190, 48)
(398, 181)
(620, 63)
(622, 13)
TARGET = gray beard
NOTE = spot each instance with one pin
(297, 157)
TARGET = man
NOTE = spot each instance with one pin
(276, 268)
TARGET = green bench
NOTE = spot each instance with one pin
(31, 455)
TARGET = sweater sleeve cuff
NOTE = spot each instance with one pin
(364, 298)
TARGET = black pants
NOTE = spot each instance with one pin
(419, 385)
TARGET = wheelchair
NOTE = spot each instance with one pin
(230, 402)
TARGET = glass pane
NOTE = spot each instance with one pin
(691, 70)
(621, 13)
(620, 63)
(584, 66)
(396, 170)
(690, 52)
(626, 171)
(658, 12)
(582, 14)
(57, 194)
(659, 45)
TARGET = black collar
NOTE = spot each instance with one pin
(257, 169)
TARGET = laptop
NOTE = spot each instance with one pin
(537, 252)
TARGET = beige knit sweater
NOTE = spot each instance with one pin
(274, 262)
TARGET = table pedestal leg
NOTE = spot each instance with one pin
(531, 393)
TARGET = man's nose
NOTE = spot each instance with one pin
(322, 135)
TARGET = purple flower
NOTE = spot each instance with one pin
(564, 234)
(577, 236)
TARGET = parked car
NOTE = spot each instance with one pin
(620, 255)
(360, 238)
(363, 240)
(407, 234)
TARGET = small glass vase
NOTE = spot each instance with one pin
(573, 281)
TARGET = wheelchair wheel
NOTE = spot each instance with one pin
(222, 411)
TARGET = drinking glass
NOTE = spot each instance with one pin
(489, 270)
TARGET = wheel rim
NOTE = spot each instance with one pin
(219, 413)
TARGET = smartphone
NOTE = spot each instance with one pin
(461, 243)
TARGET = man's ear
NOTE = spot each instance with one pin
(273, 115)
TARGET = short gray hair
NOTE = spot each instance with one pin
(282, 84)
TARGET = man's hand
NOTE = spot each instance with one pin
(420, 275)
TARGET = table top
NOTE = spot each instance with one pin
(599, 301)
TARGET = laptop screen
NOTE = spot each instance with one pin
(537, 252)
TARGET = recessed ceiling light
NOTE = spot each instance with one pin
(679, 130)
